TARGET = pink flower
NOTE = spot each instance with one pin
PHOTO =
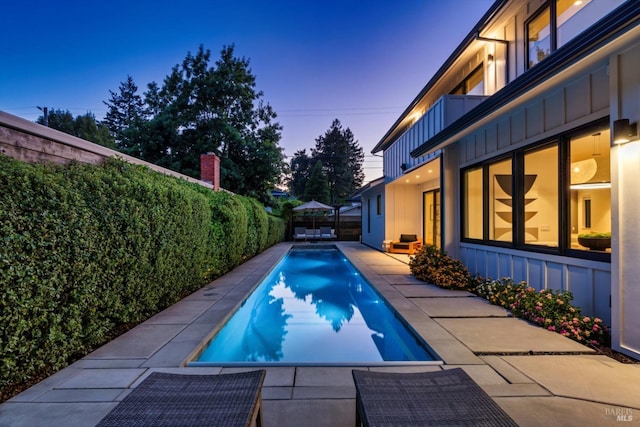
(586, 319)
(552, 328)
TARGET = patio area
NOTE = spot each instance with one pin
(538, 377)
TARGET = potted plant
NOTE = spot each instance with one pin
(595, 241)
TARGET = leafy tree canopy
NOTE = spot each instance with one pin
(83, 126)
(201, 108)
(317, 187)
(342, 159)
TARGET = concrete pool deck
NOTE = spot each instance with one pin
(538, 377)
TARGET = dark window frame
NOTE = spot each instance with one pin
(517, 159)
(553, 37)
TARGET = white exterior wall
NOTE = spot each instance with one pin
(403, 207)
(372, 223)
(625, 222)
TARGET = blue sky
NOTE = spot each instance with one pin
(360, 61)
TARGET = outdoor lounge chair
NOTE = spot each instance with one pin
(326, 233)
(407, 244)
(312, 234)
(300, 233)
(194, 400)
(440, 398)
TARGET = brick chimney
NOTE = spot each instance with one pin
(210, 169)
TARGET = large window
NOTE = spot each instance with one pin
(549, 196)
(559, 21)
(540, 193)
(589, 206)
(501, 201)
(539, 36)
(473, 211)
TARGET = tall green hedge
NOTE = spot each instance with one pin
(85, 248)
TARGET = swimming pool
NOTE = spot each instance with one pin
(314, 307)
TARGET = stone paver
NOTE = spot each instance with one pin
(584, 377)
(425, 291)
(491, 335)
(460, 307)
(557, 411)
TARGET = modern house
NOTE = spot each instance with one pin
(524, 140)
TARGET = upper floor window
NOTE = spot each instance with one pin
(539, 36)
(557, 22)
(473, 84)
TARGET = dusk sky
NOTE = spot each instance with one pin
(361, 62)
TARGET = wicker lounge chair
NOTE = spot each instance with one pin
(441, 398)
(407, 244)
(191, 400)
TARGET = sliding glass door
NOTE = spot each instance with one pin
(431, 209)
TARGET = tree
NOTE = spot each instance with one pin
(342, 158)
(201, 108)
(60, 120)
(85, 127)
(124, 116)
(317, 187)
(301, 165)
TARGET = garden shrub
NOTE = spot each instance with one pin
(546, 308)
(257, 224)
(433, 265)
(86, 248)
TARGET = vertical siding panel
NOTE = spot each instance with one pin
(493, 268)
(554, 276)
(517, 126)
(602, 294)
(534, 119)
(505, 265)
(554, 110)
(599, 89)
(579, 283)
(578, 98)
(536, 274)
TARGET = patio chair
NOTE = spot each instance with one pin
(194, 400)
(312, 234)
(326, 233)
(300, 233)
(407, 244)
(440, 398)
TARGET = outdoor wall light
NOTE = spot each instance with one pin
(623, 131)
(403, 166)
(490, 58)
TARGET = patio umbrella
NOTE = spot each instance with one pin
(313, 206)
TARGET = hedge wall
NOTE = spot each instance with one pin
(85, 248)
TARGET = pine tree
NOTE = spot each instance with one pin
(342, 158)
(317, 187)
(125, 115)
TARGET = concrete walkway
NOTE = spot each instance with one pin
(538, 377)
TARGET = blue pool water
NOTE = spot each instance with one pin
(314, 307)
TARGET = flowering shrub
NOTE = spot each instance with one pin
(547, 308)
(433, 265)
